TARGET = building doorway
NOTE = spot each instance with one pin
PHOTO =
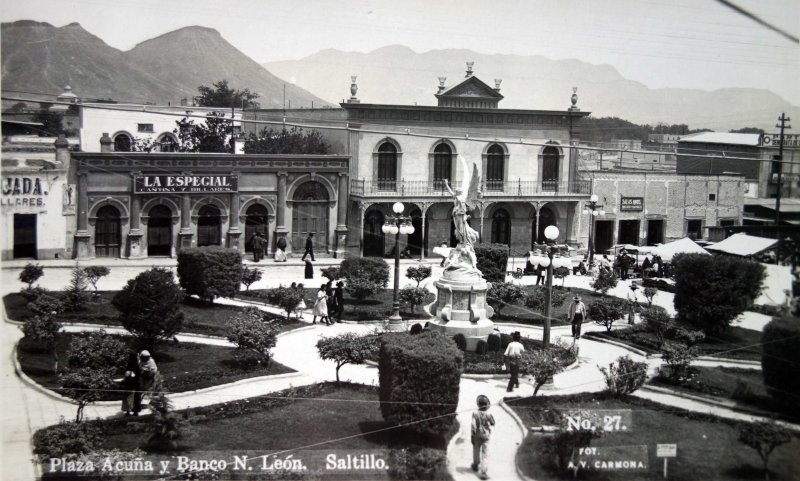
(256, 220)
(694, 229)
(159, 231)
(415, 239)
(209, 226)
(501, 227)
(373, 234)
(546, 218)
(107, 232)
(628, 232)
(24, 235)
(655, 232)
(310, 215)
(603, 235)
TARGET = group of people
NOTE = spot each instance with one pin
(139, 379)
(259, 246)
(329, 303)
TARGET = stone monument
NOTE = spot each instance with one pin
(460, 306)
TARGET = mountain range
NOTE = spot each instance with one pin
(40, 58)
(398, 75)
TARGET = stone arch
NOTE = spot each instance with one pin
(121, 207)
(299, 181)
(117, 139)
(212, 200)
(167, 142)
(173, 206)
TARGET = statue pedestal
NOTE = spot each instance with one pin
(460, 308)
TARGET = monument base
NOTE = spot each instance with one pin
(460, 308)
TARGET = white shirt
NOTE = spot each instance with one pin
(514, 349)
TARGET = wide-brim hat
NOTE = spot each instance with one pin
(483, 401)
(576, 298)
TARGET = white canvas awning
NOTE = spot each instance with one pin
(681, 246)
(743, 245)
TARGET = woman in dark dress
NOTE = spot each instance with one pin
(130, 383)
(309, 269)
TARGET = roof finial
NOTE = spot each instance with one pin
(574, 99)
(469, 69)
(441, 84)
(353, 90)
(497, 83)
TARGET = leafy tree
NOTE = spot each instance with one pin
(364, 276)
(52, 122)
(712, 291)
(606, 311)
(747, 130)
(347, 348)
(502, 294)
(541, 364)
(210, 136)
(294, 141)
(286, 298)
(143, 144)
(537, 297)
(764, 437)
(221, 95)
(94, 274)
(418, 273)
(650, 294)
(561, 273)
(75, 296)
(149, 306)
(43, 330)
(780, 358)
(86, 385)
(678, 359)
(413, 296)
(605, 281)
(360, 289)
(210, 272)
(624, 377)
(250, 276)
(252, 334)
(97, 350)
(30, 274)
(331, 273)
(492, 261)
(658, 321)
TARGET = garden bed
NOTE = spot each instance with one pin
(559, 315)
(184, 366)
(707, 447)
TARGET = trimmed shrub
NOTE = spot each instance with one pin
(492, 261)
(605, 312)
(658, 321)
(419, 382)
(541, 365)
(32, 293)
(493, 342)
(360, 289)
(30, 274)
(66, 437)
(331, 273)
(97, 350)
(418, 273)
(374, 269)
(415, 329)
(94, 274)
(461, 341)
(505, 340)
(688, 337)
(46, 305)
(502, 294)
(252, 334)
(482, 347)
(605, 281)
(678, 363)
(286, 298)
(347, 348)
(149, 306)
(413, 297)
(210, 272)
(650, 294)
(537, 298)
(75, 296)
(711, 291)
(624, 377)
(250, 276)
(780, 358)
(659, 284)
(43, 330)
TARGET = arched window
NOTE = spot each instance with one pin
(123, 143)
(167, 143)
(159, 231)
(442, 165)
(501, 227)
(209, 226)
(495, 168)
(387, 166)
(550, 156)
(107, 232)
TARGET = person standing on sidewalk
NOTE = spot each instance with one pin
(512, 356)
(632, 303)
(577, 314)
(482, 422)
(309, 247)
(257, 244)
(338, 294)
(321, 307)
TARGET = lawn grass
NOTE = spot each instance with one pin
(199, 317)
(183, 367)
(378, 307)
(319, 419)
(707, 447)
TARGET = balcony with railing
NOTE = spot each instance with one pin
(423, 188)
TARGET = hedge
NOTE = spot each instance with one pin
(210, 272)
(780, 359)
(492, 261)
(419, 379)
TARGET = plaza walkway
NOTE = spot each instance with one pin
(26, 409)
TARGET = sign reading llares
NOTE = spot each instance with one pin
(631, 204)
(153, 184)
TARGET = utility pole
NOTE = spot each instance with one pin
(783, 119)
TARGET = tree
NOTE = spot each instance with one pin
(86, 385)
(149, 306)
(650, 294)
(30, 274)
(780, 358)
(286, 298)
(658, 321)
(541, 364)
(747, 130)
(502, 294)
(712, 291)
(678, 359)
(413, 296)
(418, 273)
(250, 276)
(624, 377)
(75, 296)
(605, 311)
(347, 348)
(764, 437)
(210, 272)
(52, 122)
(294, 141)
(561, 273)
(252, 334)
(43, 330)
(221, 95)
(364, 276)
(97, 350)
(211, 136)
(537, 297)
(168, 429)
(605, 281)
(94, 274)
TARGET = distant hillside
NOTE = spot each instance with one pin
(398, 75)
(37, 57)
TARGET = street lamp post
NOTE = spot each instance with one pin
(550, 261)
(592, 209)
(396, 225)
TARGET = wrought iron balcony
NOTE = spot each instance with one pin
(423, 188)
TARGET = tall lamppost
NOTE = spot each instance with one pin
(550, 261)
(592, 209)
(396, 225)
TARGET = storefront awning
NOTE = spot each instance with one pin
(681, 246)
(743, 245)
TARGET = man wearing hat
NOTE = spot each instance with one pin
(512, 356)
(482, 422)
(147, 378)
(577, 314)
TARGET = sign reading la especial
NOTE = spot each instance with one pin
(153, 184)
(631, 204)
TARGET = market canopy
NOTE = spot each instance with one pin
(681, 246)
(743, 245)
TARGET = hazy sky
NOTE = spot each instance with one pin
(676, 43)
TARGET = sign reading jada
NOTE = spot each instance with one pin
(152, 184)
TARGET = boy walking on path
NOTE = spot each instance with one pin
(482, 422)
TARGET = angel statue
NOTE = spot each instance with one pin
(461, 261)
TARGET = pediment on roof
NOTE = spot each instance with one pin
(471, 87)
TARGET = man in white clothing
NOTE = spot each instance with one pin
(512, 355)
